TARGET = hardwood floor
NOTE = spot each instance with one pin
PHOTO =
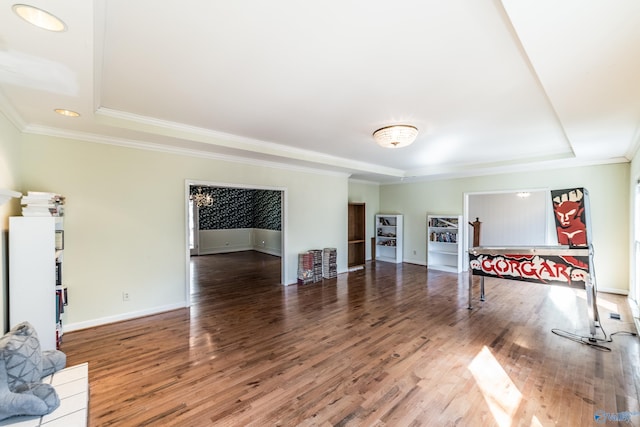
(391, 345)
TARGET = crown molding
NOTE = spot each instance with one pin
(363, 181)
(166, 128)
(11, 113)
(481, 170)
(168, 149)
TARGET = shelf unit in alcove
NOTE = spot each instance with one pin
(389, 238)
(444, 244)
(356, 250)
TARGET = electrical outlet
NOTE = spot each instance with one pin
(125, 296)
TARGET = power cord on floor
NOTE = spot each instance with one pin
(592, 342)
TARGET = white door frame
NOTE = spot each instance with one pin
(195, 217)
(634, 285)
(283, 234)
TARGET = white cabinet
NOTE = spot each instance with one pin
(444, 243)
(389, 238)
(34, 271)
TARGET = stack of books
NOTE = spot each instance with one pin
(305, 268)
(38, 203)
(329, 263)
(317, 264)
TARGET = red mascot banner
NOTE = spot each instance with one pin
(569, 210)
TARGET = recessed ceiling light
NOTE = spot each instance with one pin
(39, 18)
(68, 113)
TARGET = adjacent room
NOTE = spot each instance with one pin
(334, 214)
(241, 221)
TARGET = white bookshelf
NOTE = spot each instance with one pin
(32, 274)
(389, 238)
(444, 243)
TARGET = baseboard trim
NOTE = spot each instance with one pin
(225, 250)
(415, 261)
(613, 291)
(635, 313)
(70, 327)
(267, 251)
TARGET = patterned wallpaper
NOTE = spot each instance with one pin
(240, 208)
(267, 213)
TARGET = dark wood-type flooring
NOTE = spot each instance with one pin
(391, 345)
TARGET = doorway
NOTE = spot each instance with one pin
(241, 218)
(634, 292)
(510, 218)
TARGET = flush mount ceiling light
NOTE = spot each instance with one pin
(65, 112)
(395, 136)
(38, 17)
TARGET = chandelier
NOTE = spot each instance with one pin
(395, 136)
(201, 200)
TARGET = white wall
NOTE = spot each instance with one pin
(267, 241)
(634, 293)
(125, 225)
(608, 187)
(240, 239)
(219, 241)
(509, 220)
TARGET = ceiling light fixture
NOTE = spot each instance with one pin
(65, 112)
(38, 17)
(523, 194)
(395, 136)
(201, 199)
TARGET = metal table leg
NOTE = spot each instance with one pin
(592, 310)
(470, 289)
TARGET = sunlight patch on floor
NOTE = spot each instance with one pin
(535, 422)
(500, 393)
(602, 302)
(564, 298)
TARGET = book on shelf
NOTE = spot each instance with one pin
(384, 221)
(444, 222)
(43, 195)
(446, 237)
